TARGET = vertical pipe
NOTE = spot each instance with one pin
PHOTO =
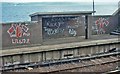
(119, 30)
(86, 26)
(93, 7)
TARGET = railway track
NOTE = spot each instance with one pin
(65, 64)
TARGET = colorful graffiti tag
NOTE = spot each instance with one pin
(101, 23)
(17, 31)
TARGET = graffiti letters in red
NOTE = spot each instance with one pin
(17, 31)
(101, 23)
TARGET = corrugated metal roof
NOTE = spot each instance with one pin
(62, 13)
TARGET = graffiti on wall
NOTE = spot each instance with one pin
(53, 28)
(60, 26)
(17, 32)
(100, 25)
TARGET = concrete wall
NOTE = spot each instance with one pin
(115, 22)
(53, 30)
(109, 22)
(62, 27)
(21, 34)
(47, 30)
(104, 24)
(90, 23)
(77, 23)
(34, 18)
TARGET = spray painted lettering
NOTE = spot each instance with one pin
(51, 31)
(60, 26)
(72, 32)
(17, 31)
(100, 24)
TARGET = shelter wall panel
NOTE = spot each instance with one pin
(20, 34)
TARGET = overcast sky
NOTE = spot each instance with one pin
(59, 0)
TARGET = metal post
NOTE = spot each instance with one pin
(86, 26)
(93, 7)
(118, 28)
